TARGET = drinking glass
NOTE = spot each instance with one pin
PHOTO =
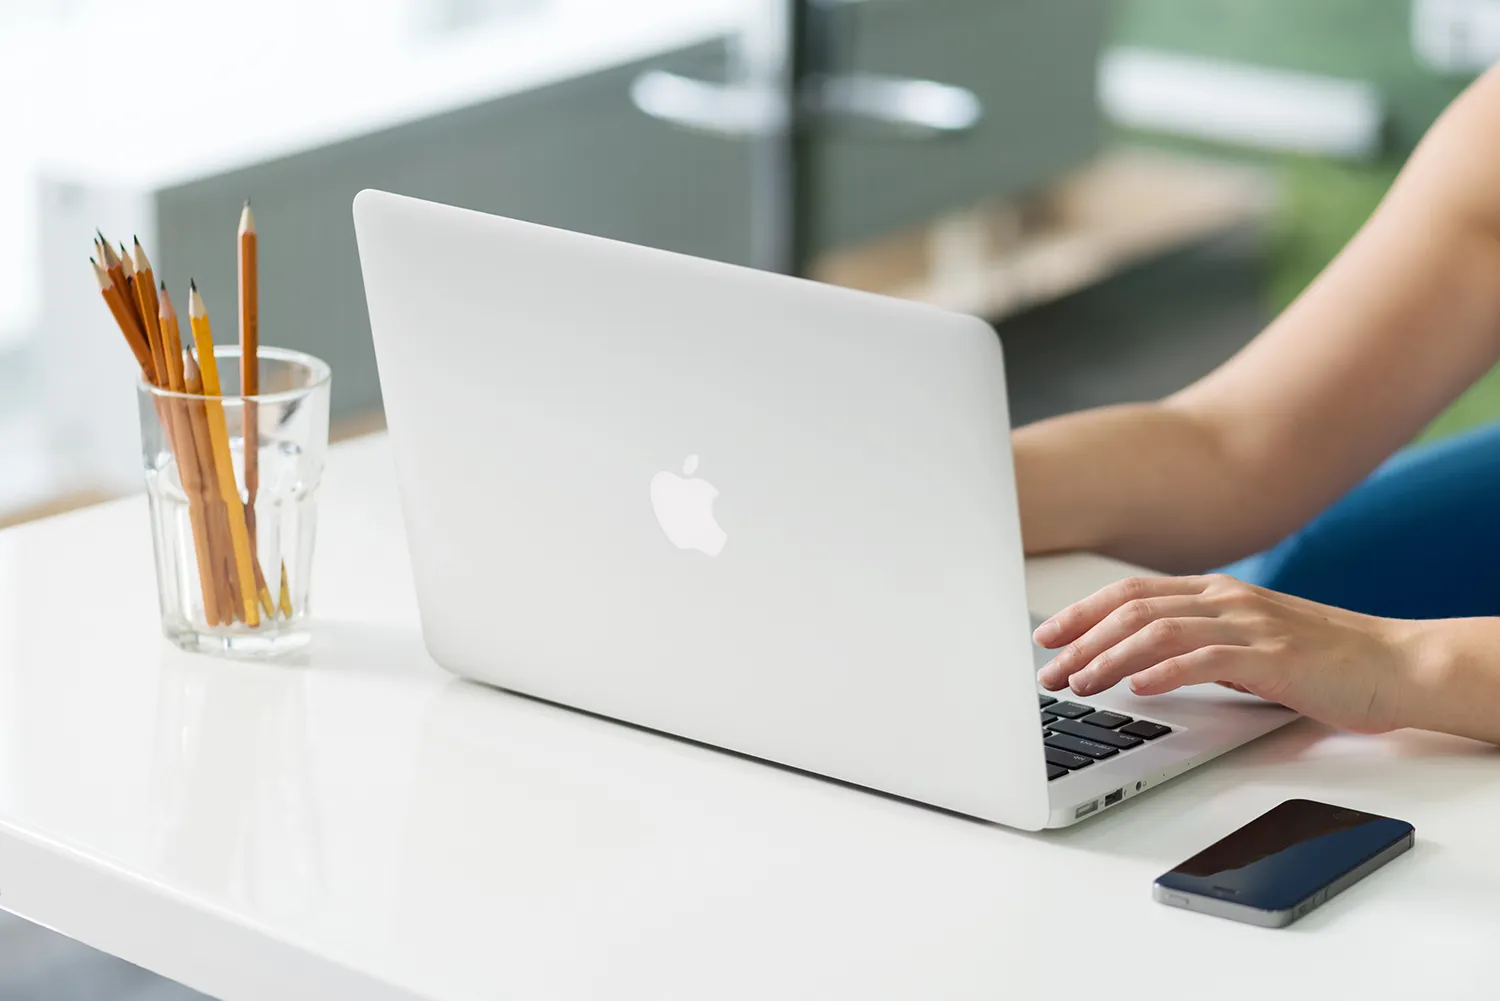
(233, 556)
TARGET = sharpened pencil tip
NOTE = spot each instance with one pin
(193, 284)
(135, 239)
(163, 284)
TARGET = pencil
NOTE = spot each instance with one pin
(216, 511)
(124, 317)
(224, 466)
(144, 285)
(284, 603)
(190, 457)
(250, 360)
(127, 268)
(249, 303)
(115, 268)
(171, 342)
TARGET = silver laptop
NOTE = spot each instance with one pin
(766, 514)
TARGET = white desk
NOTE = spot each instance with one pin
(365, 827)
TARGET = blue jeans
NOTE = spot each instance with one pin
(1419, 539)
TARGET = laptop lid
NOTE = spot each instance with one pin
(763, 513)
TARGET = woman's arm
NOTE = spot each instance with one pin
(1452, 677)
(1356, 672)
(1395, 328)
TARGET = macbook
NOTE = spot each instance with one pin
(766, 514)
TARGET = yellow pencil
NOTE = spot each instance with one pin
(224, 464)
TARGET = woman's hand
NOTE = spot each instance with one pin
(1340, 667)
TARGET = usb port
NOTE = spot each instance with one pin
(1086, 809)
(1114, 797)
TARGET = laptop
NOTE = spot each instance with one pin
(757, 512)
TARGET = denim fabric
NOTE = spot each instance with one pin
(1419, 539)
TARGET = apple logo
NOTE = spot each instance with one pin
(684, 507)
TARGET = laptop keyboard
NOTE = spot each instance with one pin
(1076, 735)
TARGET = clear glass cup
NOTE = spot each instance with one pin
(232, 569)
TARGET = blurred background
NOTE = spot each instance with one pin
(1127, 189)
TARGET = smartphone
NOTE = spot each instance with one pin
(1284, 863)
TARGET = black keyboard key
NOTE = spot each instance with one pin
(1070, 710)
(1087, 748)
(1055, 771)
(1078, 728)
(1046, 701)
(1069, 760)
(1147, 729)
(1106, 719)
(1048, 718)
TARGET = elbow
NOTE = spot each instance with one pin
(1243, 474)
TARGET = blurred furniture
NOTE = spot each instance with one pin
(1113, 331)
(788, 91)
(362, 825)
(536, 123)
(1004, 255)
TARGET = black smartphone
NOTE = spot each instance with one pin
(1284, 863)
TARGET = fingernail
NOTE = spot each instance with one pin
(1136, 684)
(1079, 684)
(1046, 631)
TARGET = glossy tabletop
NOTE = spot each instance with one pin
(359, 824)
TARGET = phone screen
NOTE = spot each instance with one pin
(1286, 855)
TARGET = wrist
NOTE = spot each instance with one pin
(1422, 668)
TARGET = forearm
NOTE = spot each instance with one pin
(1452, 676)
(1389, 335)
(1146, 483)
